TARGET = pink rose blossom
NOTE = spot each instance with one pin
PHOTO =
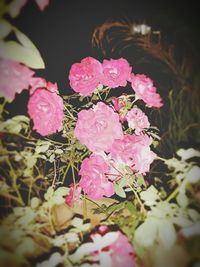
(113, 249)
(134, 151)
(98, 127)
(85, 76)
(116, 72)
(137, 120)
(14, 78)
(45, 108)
(36, 83)
(122, 252)
(118, 103)
(93, 179)
(15, 6)
(145, 90)
(42, 4)
(74, 195)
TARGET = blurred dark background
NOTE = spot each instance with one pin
(63, 31)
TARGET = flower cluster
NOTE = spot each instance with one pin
(101, 128)
(89, 73)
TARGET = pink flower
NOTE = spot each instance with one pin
(134, 151)
(118, 103)
(16, 6)
(14, 78)
(112, 249)
(116, 72)
(74, 195)
(42, 4)
(36, 83)
(45, 108)
(93, 179)
(85, 76)
(137, 120)
(98, 127)
(145, 90)
(122, 252)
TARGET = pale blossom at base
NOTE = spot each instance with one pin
(98, 127)
(14, 78)
(45, 108)
(111, 249)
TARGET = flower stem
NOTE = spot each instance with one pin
(137, 197)
(173, 194)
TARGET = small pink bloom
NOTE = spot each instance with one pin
(134, 151)
(45, 108)
(137, 120)
(74, 195)
(14, 78)
(118, 103)
(36, 83)
(122, 252)
(15, 7)
(145, 90)
(85, 76)
(116, 72)
(93, 179)
(113, 249)
(42, 4)
(98, 127)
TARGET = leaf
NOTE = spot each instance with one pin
(188, 153)
(166, 233)
(42, 148)
(146, 233)
(61, 191)
(83, 250)
(24, 40)
(119, 190)
(192, 230)
(150, 195)
(14, 51)
(182, 200)
(193, 176)
(35, 202)
(5, 28)
(194, 215)
(140, 180)
(58, 151)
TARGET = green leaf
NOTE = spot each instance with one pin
(150, 196)
(58, 151)
(5, 28)
(140, 180)
(119, 190)
(14, 51)
(166, 233)
(182, 200)
(24, 40)
(146, 233)
(42, 148)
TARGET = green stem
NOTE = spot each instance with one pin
(137, 197)
(173, 194)
(14, 182)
